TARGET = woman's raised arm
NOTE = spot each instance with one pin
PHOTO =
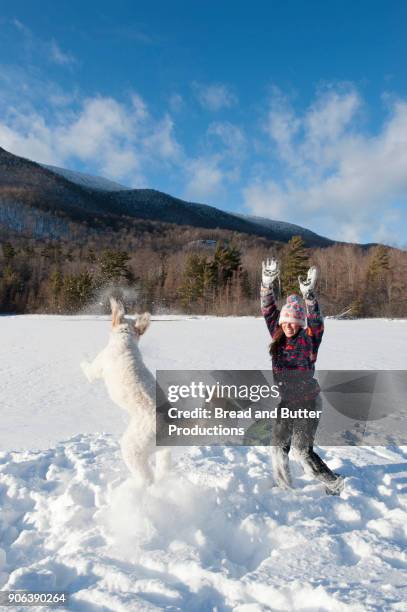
(270, 273)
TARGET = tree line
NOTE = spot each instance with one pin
(176, 272)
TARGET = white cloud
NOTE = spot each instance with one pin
(206, 178)
(319, 168)
(117, 140)
(265, 198)
(214, 96)
(327, 173)
(58, 56)
(282, 126)
(48, 48)
(160, 142)
(330, 115)
(34, 143)
(20, 26)
(139, 106)
(218, 166)
(24, 88)
(134, 32)
(230, 135)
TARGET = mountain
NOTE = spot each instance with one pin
(284, 229)
(86, 180)
(46, 201)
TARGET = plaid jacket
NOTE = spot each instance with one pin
(294, 364)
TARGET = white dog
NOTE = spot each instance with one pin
(131, 386)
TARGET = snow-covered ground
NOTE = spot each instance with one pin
(212, 535)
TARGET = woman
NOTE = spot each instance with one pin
(296, 337)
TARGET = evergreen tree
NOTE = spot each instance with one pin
(77, 291)
(195, 278)
(226, 261)
(379, 264)
(114, 266)
(205, 279)
(295, 262)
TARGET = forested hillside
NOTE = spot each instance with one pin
(43, 202)
(164, 268)
(69, 240)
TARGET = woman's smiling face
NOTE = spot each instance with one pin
(290, 329)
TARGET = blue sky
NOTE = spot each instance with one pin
(295, 111)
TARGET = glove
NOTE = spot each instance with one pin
(307, 286)
(270, 272)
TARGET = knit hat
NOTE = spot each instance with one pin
(292, 311)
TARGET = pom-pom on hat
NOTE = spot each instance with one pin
(292, 311)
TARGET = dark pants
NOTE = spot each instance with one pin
(299, 435)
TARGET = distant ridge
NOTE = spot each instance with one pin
(86, 180)
(43, 200)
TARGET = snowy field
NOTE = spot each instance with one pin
(212, 535)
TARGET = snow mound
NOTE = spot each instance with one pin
(211, 534)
